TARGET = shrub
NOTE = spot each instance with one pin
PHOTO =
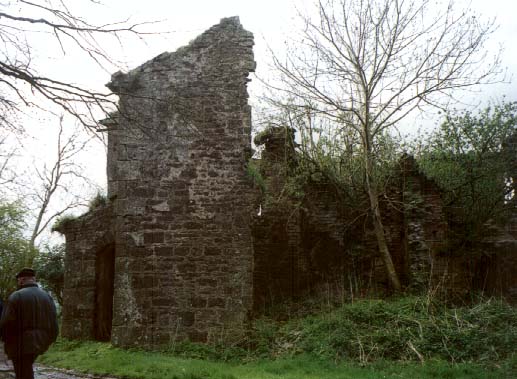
(62, 221)
(406, 329)
(98, 201)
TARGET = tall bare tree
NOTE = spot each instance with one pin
(7, 174)
(54, 182)
(367, 64)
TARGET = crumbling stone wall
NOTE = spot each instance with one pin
(425, 225)
(276, 232)
(297, 235)
(317, 245)
(86, 239)
(176, 174)
(183, 250)
(177, 151)
(321, 245)
(494, 267)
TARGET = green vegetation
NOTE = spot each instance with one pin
(253, 173)
(404, 338)
(410, 328)
(50, 269)
(101, 358)
(407, 329)
(99, 200)
(15, 249)
(62, 221)
(466, 156)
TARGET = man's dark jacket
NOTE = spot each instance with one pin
(29, 321)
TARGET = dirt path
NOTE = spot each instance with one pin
(42, 372)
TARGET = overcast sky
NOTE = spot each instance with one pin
(271, 21)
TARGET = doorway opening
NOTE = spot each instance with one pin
(104, 284)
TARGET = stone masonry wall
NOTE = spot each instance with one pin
(318, 245)
(299, 235)
(180, 251)
(496, 269)
(425, 226)
(176, 175)
(86, 237)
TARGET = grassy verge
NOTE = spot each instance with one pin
(371, 339)
(102, 358)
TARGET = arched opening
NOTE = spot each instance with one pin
(104, 280)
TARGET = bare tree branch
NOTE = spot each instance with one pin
(22, 86)
(52, 180)
(367, 64)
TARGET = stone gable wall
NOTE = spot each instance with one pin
(179, 200)
(176, 174)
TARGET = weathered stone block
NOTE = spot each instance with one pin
(153, 237)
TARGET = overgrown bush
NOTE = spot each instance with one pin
(406, 329)
(468, 156)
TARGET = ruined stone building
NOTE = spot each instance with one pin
(171, 255)
(186, 247)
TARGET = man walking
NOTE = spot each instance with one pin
(28, 324)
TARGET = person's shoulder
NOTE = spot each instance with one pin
(27, 290)
(42, 291)
(36, 288)
(13, 296)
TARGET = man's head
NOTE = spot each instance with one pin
(25, 276)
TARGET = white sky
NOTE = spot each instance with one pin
(269, 20)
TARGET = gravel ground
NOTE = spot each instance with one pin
(42, 372)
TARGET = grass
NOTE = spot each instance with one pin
(102, 358)
(371, 339)
(406, 329)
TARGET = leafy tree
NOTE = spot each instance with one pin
(367, 64)
(16, 251)
(324, 149)
(49, 265)
(467, 158)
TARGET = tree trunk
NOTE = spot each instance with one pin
(377, 220)
(381, 239)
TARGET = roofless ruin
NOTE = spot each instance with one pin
(180, 251)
